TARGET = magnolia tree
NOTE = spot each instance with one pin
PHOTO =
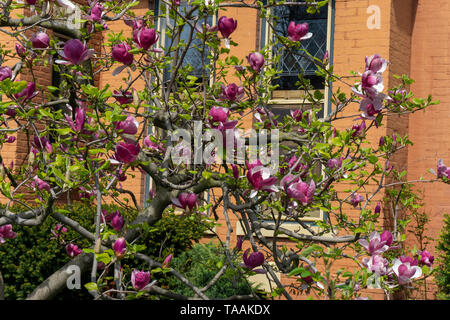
(85, 141)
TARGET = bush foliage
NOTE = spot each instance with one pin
(200, 265)
(443, 270)
(33, 255)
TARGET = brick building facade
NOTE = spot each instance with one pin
(414, 35)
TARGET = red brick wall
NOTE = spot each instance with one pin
(430, 68)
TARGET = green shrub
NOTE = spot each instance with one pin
(200, 265)
(173, 234)
(33, 256)
(443, 269)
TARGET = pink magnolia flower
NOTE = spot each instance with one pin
(128, 126)
(106, 217)
(226, 26)
(41, 184)
(378, 208)
(152, 145)
(407, 259)
(126, 152)
(376, 64)
(232, 92)
(376, 264)
(299, 31)
(254, 163)
(442, 170)
(206, 27)
(167, 260)
(80, 118)
(377, 244)
(117, 221)
(288, 179)
(255, 259)
(397, 96)
(335, 163)
(75, 53)
(6, 233)
(121, 53)
(426, 258)
(359, 129)
(119, 247)
(405, 272)
(145, 37)
(136, 23)
(372, 81)
(28, 93)
(256, 61)
(140, 279)
(355, 199)
(261, 178)
(297, 115)
(219, 114)
(299, 167)
(73, 250)
(123, 97)
(264, 116)
(371, 106)
(239, 242)
(97, 12)
(219, 118)
(40, 40)
(20, 50)
(41, 143)
(235, 171)
(10, 139)
(302, 192)
(308, 279)
(5, 73)
(326, 57)
(185, 200)
(58, 230)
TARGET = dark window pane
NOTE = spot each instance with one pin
(193, 56)
(293, 64)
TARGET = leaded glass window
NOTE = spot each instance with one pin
(291, 64)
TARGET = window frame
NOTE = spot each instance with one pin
(266, 34)
(294, 97)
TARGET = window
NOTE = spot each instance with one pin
(194, 55)
(291, 63)
(287, 96)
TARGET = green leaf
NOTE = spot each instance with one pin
(206, 174)
(296, 271)
(373, 159)
(63, 131)
(103, 257)
(91, 286)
